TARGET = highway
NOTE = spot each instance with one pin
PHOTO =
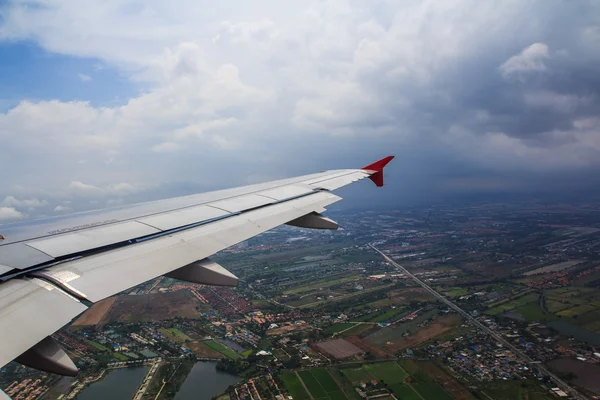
(559, 382)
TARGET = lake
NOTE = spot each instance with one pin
(119, 383)
(567, 328)
(586, 375)
(204, 382)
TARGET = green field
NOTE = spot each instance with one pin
(325, 379)
(247, 352)
(294, 386)
(335, 328)
(222, 349)
(321, 384)
(404, 392)
(512, 304)
(389, 372)
(532, 312)
(347, 296)
(356, 330)
(180, 334)
(312, 384)
(318, 285)
(515, 390)
(98, 346)
(120, 357)
(431, 391)
(456, 291)
(578, 310)
(356, 375)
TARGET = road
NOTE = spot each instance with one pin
(559, 382)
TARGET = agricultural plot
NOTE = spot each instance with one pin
(553, 268)
(175, 335)
(532, 312)
(97, 346)
(389, 372)
(356, 375)
(321, 385)
(431, 391)
(312, 384)
(222, 349)
(120, 357)
(405, 392)
(512, 304)
(293, 384)
(339, 348)
(575, 311)
(335, 328)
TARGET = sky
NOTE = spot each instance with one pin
(109, 102)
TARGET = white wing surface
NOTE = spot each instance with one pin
(52, 269)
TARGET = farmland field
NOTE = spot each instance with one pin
(325, 379)
(404, 392)
(97, 345)
(222, 349)
(431, 391)
(335, 328)
(389, 372)
(294, 386)
(356, 375)
(313, 385)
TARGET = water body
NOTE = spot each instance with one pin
(586, 375)
(204, 382)
(567, 328)
(120, 383)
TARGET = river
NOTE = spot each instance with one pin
(120, 383)
(204, 382)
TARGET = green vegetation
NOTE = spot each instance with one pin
(513, 303)
(247, 353)
(180, 334)
(325, 380)
(335, 328)
(356, 375)
(515, 390)
(312, 384)
(120, 357)
(456, 292)
(404, 392)
(97, 345)
(356, 330)
(431, 391)
(222, 349)
(321, 284)
(532, 312)
(347, 296)
(294, 386)
(389, 372)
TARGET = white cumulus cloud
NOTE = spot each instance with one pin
(9, 214)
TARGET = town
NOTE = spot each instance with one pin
(486, 301)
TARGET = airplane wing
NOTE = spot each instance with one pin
(52, 269)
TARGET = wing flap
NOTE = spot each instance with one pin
(179, 218)
(30, 310)
(75, 242)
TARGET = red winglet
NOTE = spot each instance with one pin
(377, 167)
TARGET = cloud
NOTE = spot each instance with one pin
(9, 213)
(86, 189)
(61, 209)
(270, 90)
(10, 201)
(84, 77)
(531, 59)
(166, 147)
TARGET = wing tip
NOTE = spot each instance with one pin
(376, 170)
